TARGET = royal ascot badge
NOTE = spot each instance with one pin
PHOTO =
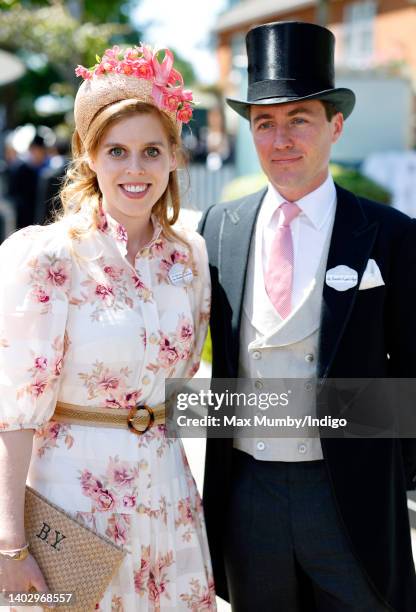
(341, 278)
(179, 275)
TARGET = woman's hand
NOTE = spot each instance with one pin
(21, 576)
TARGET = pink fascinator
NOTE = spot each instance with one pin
(135, 73)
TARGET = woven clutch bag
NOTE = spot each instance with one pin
(72, 557)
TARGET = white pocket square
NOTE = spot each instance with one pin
(372, 276)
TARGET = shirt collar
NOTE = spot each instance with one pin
(316, 205)
(109, 226)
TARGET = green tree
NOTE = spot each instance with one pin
(53, 36)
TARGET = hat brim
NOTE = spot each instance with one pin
(342, 98)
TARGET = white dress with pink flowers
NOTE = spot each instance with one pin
(80, 324)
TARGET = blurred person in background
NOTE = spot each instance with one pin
(50, 181)
(38, 154)
(96, 310)
(20, 184)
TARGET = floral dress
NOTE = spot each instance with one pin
(80, 324)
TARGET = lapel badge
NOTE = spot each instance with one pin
(179, 275)
(341, 278)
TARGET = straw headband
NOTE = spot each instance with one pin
(135, 74)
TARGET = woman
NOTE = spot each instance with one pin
(97, 310)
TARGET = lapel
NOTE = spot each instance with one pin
(235, 239)
(351, 243)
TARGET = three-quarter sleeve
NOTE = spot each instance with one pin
(35, 268)
(201, 286)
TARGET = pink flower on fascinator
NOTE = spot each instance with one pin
(142, 62)
(112, 54)
(185, 114)
(80, 71)
(144, 70)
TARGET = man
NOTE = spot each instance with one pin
(309, 282)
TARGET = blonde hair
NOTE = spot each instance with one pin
(81, 189)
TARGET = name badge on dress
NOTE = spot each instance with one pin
(341, 278)
(179, 275)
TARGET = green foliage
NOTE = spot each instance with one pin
(348, 178)
(359, 184)
(53, 36)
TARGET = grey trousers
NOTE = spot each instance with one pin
(282, 523)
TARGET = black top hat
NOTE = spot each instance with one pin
(290, 61)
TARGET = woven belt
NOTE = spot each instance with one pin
(139, 419)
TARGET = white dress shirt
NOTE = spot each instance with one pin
(309, 232)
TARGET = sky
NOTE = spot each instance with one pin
(184, 25)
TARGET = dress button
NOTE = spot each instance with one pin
(260, 446)
(309, 357)
(256, 355)
(258, 384)
(302, 448)
(308, 386)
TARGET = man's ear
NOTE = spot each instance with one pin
(337, 126)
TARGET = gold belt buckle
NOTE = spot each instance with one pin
(134, 419)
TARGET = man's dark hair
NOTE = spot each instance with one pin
(330, 109)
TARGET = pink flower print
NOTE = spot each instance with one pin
(168, 355)
(104, 500)
(129, 501)
(38, 387)
(53, 430)
(185, 354)
(57, 274)
(41, 363)
(200, 598)
(123, 477)
(198, 505)
(120, 474)
(205, 603)
(108, 382)
(121, 233)
(185, 512)
(103, 292)
(156, 589)
(40, 295)
(58, 366)
(89, 484)
(114, 273)
(140, 576)
(194, 369)
(117, 530)
(184, 331)
(132, 398)
(157, 246)
(179, 256)
(102, 222)
(138, 283)
(158, 578)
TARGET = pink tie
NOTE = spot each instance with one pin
(279, 274)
